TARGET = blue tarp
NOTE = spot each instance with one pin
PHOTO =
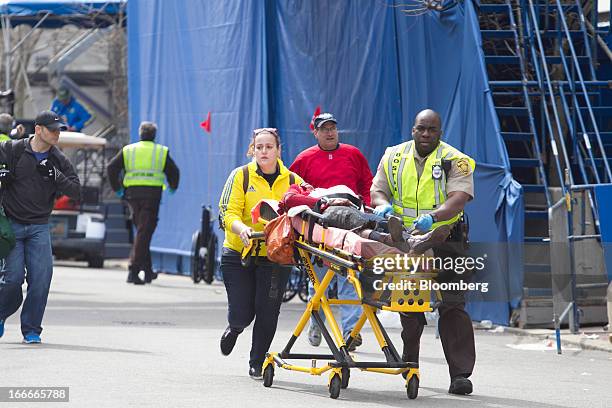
(18, 8)
(271, 63)
(603, 194)
(83, 13)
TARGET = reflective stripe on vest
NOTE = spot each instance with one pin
(415, 195)
(144, 164)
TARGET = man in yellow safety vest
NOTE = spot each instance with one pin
(427, 183)
(146, 166)
(7, 132)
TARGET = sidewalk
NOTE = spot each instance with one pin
(589, 338)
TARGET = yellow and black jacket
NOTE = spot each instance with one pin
(236, 204)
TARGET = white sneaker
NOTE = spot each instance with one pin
(314, 335)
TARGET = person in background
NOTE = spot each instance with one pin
(66, 106)
(8, 130)
(330, 163)
(254, 291)
(145, 166)
(39, 172)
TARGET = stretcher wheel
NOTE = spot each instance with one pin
(268, 375)
(412, 388)
(334, 386)
(346, 374)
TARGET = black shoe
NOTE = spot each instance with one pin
(255, 373)
(460, 386)
(357, 341)
(150, 276)
(228, 340)
(134, 278)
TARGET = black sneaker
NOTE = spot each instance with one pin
(357, 341)
(228, 340)
(460, 386)
(255, 373)
(150, 276)
(134, 278)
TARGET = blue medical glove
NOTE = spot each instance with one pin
(423, 223)
(383, 209)
(120, 193)
(171, 191)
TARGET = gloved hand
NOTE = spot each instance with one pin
(423, 223)
(171, 191)
(120, 192)
(383, 209)
(46, 170)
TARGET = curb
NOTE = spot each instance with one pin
(565, 342)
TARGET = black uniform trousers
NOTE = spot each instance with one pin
(454, 324)
(254, 292)
(145, 213)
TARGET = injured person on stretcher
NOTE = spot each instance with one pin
(347, 225)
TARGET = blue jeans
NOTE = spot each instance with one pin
(32, 252)
(349, 314)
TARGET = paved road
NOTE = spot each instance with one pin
(120, 345)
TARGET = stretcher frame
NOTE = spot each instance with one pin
(339, 362)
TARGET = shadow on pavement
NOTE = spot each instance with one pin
(72, 347)
(440, 397)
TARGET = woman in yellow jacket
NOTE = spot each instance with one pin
(254, 291)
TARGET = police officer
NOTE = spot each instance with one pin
(428, 182)
(145, 165)
(7, 132)
(6, 125)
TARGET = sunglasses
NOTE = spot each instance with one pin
(273, 131)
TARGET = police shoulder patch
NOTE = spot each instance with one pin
(464, 166)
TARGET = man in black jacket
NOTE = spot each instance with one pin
(145, 165)
(34, 173)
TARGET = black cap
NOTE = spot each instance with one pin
(50, 120)
(324, 118)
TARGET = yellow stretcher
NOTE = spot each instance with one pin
(358, 272)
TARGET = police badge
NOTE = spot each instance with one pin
(436, 172)
(463, 166)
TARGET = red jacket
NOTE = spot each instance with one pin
(327, 168)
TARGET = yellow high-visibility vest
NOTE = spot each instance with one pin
(144, 164)
(414, 195)
(4, 137)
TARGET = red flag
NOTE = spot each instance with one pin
(206, 124)
(317, 112)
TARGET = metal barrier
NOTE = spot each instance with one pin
(563, 266)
